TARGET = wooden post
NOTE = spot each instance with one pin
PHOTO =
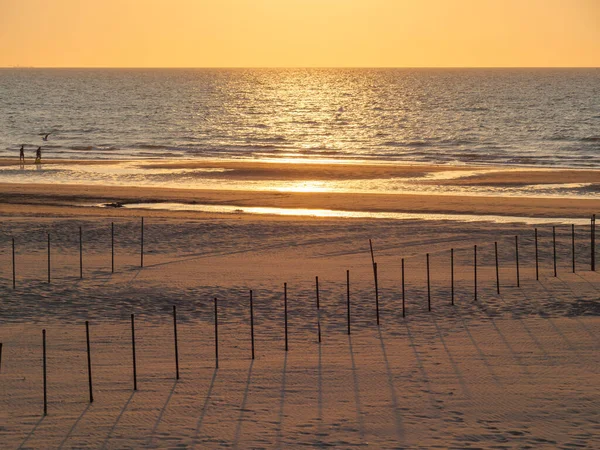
(133, 353)
(593, 242)
(142, 244)
(517, 260)
(318, 310)
(452, 276)
(89, 359)
(403, 296)
(285, 319)
(554, 247)
(44, 365)
(428, 286)
(48, 258)
(537, 266)
(348, 299)
(376, 293)
(252, 323)
(14, 269)
(375, 281)
(372, 255)
(573, 245)
(216, 336)
(497, 270)
(112, 247)
(176, 347)
(80, 253)
(475, 271)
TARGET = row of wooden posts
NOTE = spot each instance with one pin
(112, 253)
(176, 346)
(112, 246)
(251, 305)
(319, 335)
(134, 358)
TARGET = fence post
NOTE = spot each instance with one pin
(142, 244)
(403, 298)
(216, 336)
(48, 258)
(348, 299)
(452, 276)
(285, 317)
(497, 271)
(252, 322)
(318, 310)
(573, 245)
(372, 255)
(176, 347)
(14, 270)
(80, 253)
(475, 270)
(554, 247)
(593, 242)
(112, 247)
(517, 260)
(133, 353)
(537, 267)
(44, 366)
(428, 286)
(376, 293)
(89, 359)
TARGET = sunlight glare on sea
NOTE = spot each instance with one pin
(537, 117)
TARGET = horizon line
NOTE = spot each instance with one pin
(299, 67)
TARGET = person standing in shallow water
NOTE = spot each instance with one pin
(22, 154)
(38, 155)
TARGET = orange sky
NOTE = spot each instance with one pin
(299, 33)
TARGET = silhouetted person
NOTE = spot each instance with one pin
(38, 155)
(22, 154)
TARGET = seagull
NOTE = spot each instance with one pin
(45, 138)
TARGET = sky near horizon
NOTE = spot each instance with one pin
(300, 33)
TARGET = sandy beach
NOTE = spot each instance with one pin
(511, 369)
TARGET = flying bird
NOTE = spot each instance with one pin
(45, 138)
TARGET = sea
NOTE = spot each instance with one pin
(523, 117)
(130, 118)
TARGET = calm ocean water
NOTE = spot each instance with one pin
(542, 117)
